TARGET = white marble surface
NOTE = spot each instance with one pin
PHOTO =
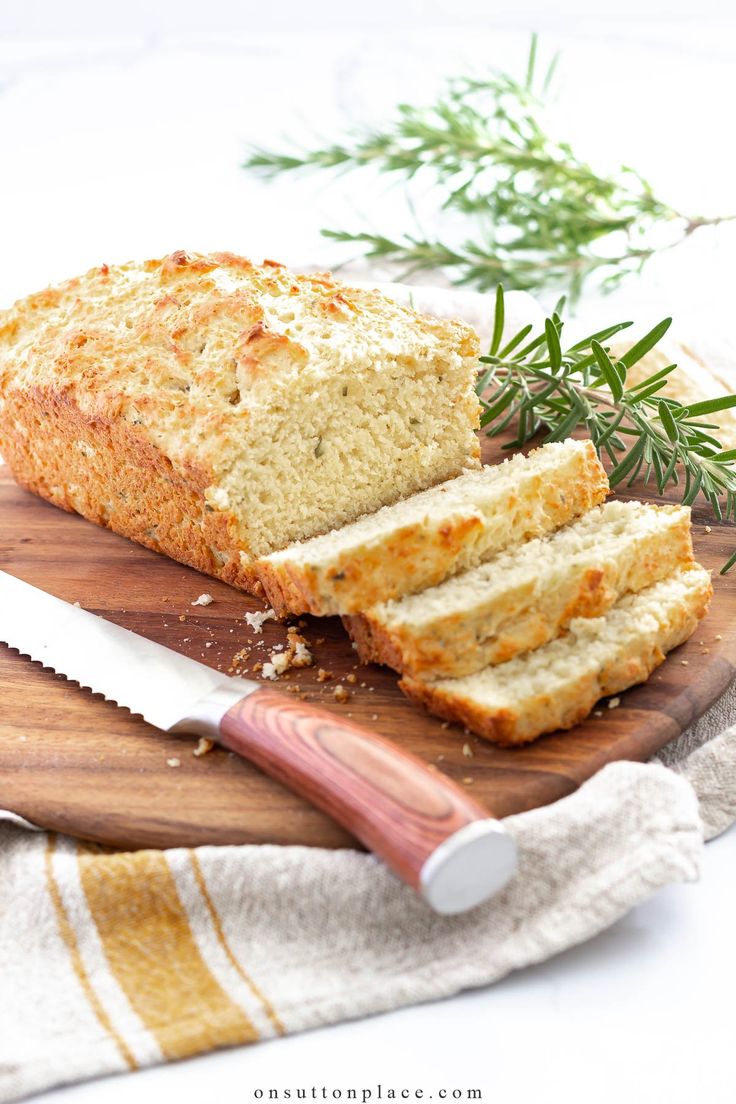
(121, 133)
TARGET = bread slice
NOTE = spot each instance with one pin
(523, 597)
(557, 685)
(216, 409)
(419, 542)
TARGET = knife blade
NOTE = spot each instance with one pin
(425, 828)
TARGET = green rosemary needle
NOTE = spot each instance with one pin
(533, 385)
(536, 213)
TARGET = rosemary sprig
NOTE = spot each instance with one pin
(533, 385)
(536, 213)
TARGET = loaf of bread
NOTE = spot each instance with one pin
(417, 543)
(557, 685)
(217, 410)
(524, 597)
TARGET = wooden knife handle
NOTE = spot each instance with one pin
(425, 828)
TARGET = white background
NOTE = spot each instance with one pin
(122, 128)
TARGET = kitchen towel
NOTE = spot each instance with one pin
(112, 961)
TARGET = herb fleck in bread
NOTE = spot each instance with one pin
(216, 410)
(557, 685)
(419, 542)
(524, 597)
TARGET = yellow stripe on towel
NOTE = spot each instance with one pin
(70, 940)
(219, 931)
(154, 957)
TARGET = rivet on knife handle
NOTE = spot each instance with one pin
(424, 827)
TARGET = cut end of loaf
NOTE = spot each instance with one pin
(415, 544)
(272, 405)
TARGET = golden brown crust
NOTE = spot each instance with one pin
(422, 554)
(377, 643)
(375, 573)
(176, 376)
(111, 475)
(525, 616)
(544, 712)
(374, 642)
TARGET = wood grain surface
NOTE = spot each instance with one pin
(386, 797)
(73, 762)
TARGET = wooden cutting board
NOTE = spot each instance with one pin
(74, 762)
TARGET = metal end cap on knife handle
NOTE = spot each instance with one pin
(470, 866)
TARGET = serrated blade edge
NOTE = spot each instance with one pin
(128, 669)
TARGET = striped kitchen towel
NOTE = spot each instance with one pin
(113, 961)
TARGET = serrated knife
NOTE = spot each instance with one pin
(423, 826)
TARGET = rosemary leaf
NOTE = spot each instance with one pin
(535, 213)
(541, 386)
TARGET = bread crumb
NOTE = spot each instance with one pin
(203, 600)
(238, 660)
(351, 678)
(598, 713)
(468, 781)
(173, 762)
(280, 661)
(295, 654)
(203, 747)
(209, 643)
(440, 758)
(255, 620)
(319, 640)
(684, 663)
(708, 529)
(614, 703)
(182, 617)
(323, 676)
(718, 637)
(257, 667)
(340, 694)
(374, 716)
(297, 648)
(77, 604)
(467, 751)
(445, 724)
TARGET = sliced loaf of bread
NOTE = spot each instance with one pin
(160, 399)
(557, 685)
(524, 597)
(417, 543)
